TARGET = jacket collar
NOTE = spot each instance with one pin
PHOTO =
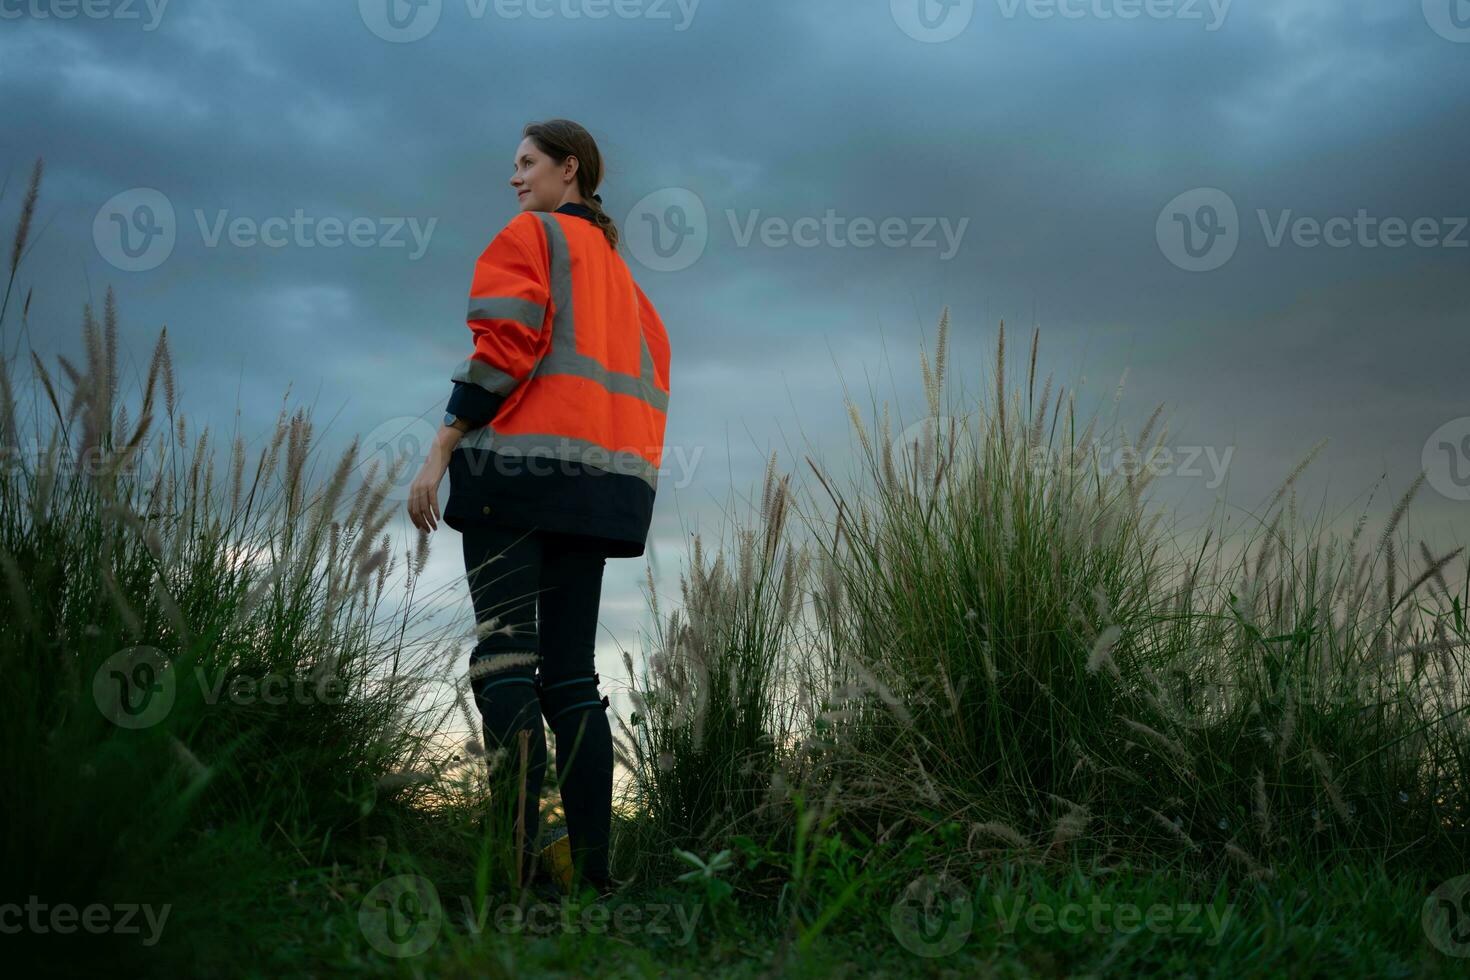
(580, 210)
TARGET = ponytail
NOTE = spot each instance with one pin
(604, 220)
(562, 138)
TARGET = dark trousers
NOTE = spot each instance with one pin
(523, 669)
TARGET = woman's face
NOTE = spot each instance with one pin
(540, 184)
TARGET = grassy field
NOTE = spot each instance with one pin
(967, 710)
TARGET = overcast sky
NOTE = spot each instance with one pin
(1133, 177)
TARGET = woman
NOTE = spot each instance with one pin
(552, 440)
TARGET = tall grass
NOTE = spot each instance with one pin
(994, 630)
(273, 701)
(709, 725)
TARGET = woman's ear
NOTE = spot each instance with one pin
(569, 168)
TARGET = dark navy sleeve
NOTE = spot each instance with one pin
(473, 403)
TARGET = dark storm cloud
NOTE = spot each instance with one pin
(1044, 146)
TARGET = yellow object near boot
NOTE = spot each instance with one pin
(556, 861)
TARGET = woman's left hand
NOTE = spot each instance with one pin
(423, 493)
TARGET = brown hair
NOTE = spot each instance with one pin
(562, 138)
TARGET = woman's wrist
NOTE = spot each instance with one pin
(448, 437)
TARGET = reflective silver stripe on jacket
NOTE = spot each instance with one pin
(522, 311)
(493, 380)
(528, 314)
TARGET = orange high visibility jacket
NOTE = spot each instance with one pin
(568, 383)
